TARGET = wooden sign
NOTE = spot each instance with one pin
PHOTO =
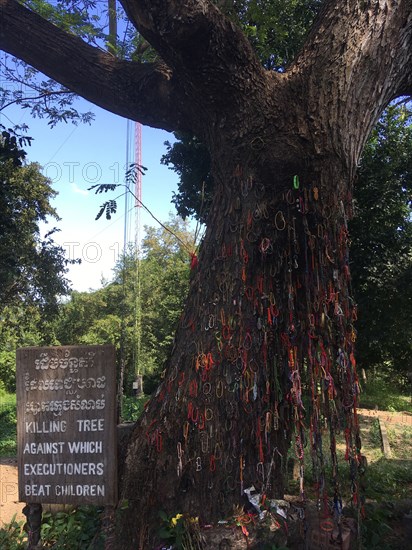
(66, 425)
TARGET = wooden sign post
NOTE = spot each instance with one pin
(66, 425)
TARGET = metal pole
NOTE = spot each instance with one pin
(33, 513)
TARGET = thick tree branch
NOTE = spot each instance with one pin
(143, 92)
(213, 58)
(188, 34)
(357, 58)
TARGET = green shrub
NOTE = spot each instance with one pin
(8, 438)
(8, 370)
(383, 395)
(133, 407)
(12, 536)
(74, 530)
(375, 528)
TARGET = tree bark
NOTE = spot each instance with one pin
(269, 317)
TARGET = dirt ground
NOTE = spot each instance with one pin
(9, 499)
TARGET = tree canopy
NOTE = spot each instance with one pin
(33, 268)
(381, 234)
(142, 303)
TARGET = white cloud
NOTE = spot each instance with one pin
(79, 190)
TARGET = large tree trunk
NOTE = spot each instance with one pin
(269, 317)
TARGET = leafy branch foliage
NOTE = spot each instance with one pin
(41, 96)
(110, 206)
(33, 267)
(275, 28)
(156, 283)
(190, 159)
(11, 142)
(381, 251)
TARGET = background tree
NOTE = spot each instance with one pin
(21, 325)
(81, 317)
(32, 267)
(268, 312)
(164, 283)
(381, 250)
(143, 301)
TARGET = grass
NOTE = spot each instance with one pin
(384, 395)
(400, 441)
(8, 443)
(387, 478)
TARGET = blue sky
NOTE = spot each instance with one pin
(76, 157)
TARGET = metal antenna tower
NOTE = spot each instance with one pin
(138, 205)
